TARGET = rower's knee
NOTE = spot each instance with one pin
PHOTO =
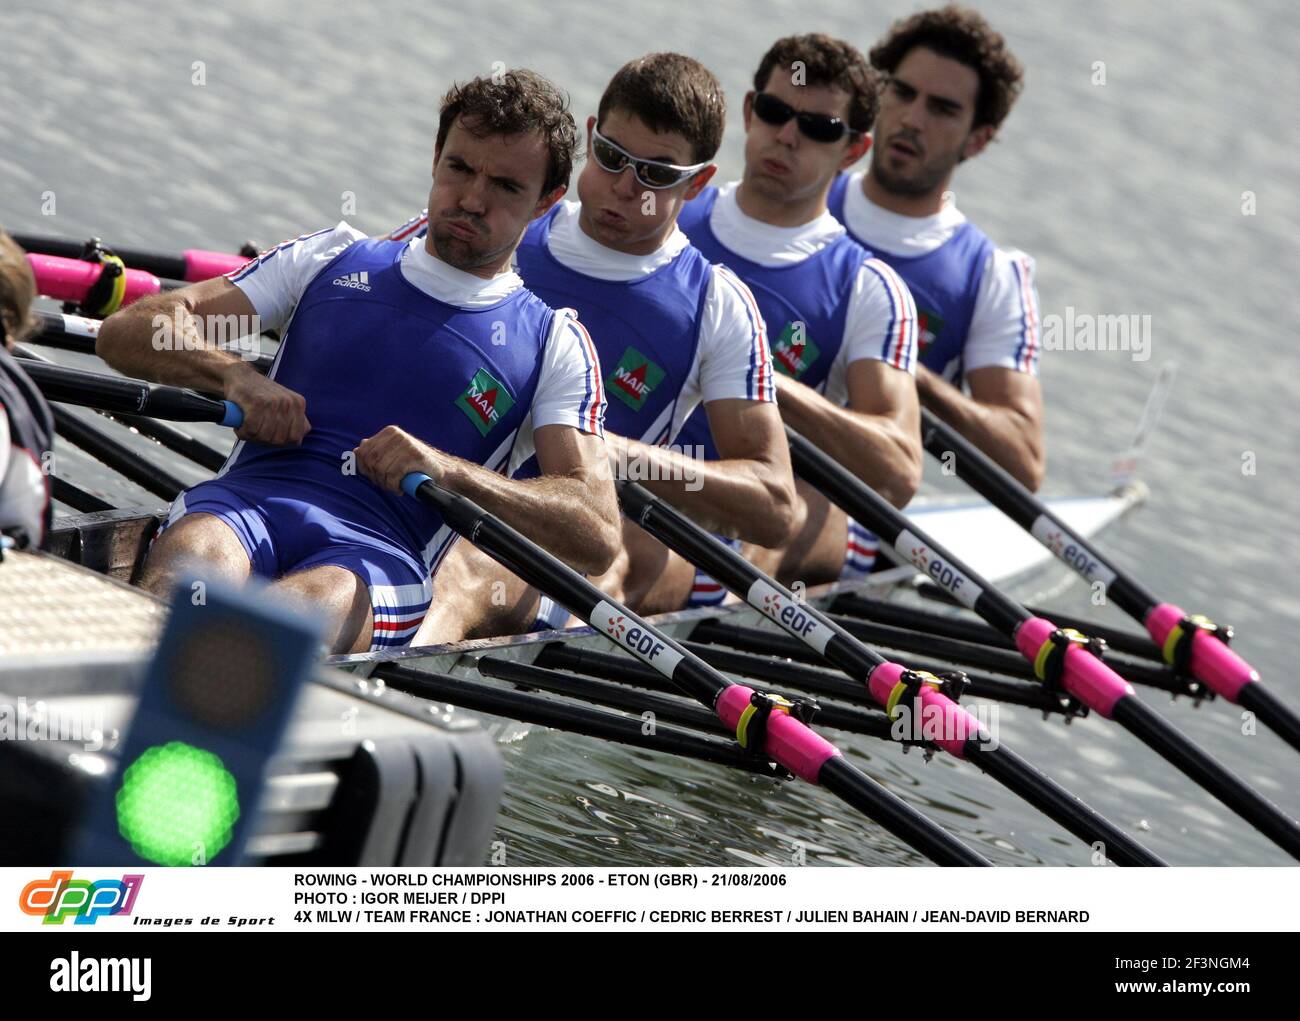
(199, 543)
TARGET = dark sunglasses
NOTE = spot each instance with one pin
(820, 127)
(651, 173)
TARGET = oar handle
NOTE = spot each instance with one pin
(234, 416)
(412, 482)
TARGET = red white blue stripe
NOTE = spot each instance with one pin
(591, 413)
(252, 267)
(412, 227)
(760, 385)
(1028, 348)
(901, 336)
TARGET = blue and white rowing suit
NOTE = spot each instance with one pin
(381, 333)
(673, 332)
(976, 302)
(827, 303)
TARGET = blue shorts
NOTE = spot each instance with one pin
(283, 533)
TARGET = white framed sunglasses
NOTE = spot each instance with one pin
(651, 173)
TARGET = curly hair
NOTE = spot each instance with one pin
(17, 289)
(827, 61)
(670, 92)
(963, 35)
(509, 104)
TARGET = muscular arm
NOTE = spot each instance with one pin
(877, 437)
(1003, 416)
(272, 413)
(749, 493)
(126, 340)
(571, 511)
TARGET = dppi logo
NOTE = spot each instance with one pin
(60, 896)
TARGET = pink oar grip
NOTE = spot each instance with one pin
(201, 264)
(789, 742)
(957, 725)
(70, 279)
(1086, 677)
(1212, 661)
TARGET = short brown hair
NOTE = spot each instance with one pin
(824, 60)
(670, 92)
(963, 35)
(17, 290)
(510, 104)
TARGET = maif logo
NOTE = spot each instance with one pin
(61, 897)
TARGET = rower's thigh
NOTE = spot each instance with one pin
(338, 599)
(475, 597)
(197, 541)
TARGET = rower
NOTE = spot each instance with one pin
(26, 425)
(426, 356)
(951, 83)
(841, 323)
(673, 332)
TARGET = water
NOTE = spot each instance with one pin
(1129, 194)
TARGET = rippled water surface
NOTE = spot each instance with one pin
(1128, 194)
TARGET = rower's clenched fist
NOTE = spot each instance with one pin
(392, 453)
(273, 414)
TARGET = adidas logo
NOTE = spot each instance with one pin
(357, 281)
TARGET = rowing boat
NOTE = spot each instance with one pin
(571, 681)
(112, 544)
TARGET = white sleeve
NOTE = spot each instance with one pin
(275, 280)
(1004, 328)
(733, 360)
(881, 321)
(569, 388)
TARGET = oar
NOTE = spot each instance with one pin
(893, 686)
(68, 332)
(191, 265)
(76, 281)
(1191, 644)
(765, 725)
(1060, 658)
(129, 396)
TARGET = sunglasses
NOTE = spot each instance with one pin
(820, 127)
(651, 173)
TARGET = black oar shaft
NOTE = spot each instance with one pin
(840, 648)
(118, 394)
(1037, 788)
(991, 481)
(1159, 735)
(874, 512)
(816, 759)
(1089, 680)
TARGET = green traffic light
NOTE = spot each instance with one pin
(177, 805)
